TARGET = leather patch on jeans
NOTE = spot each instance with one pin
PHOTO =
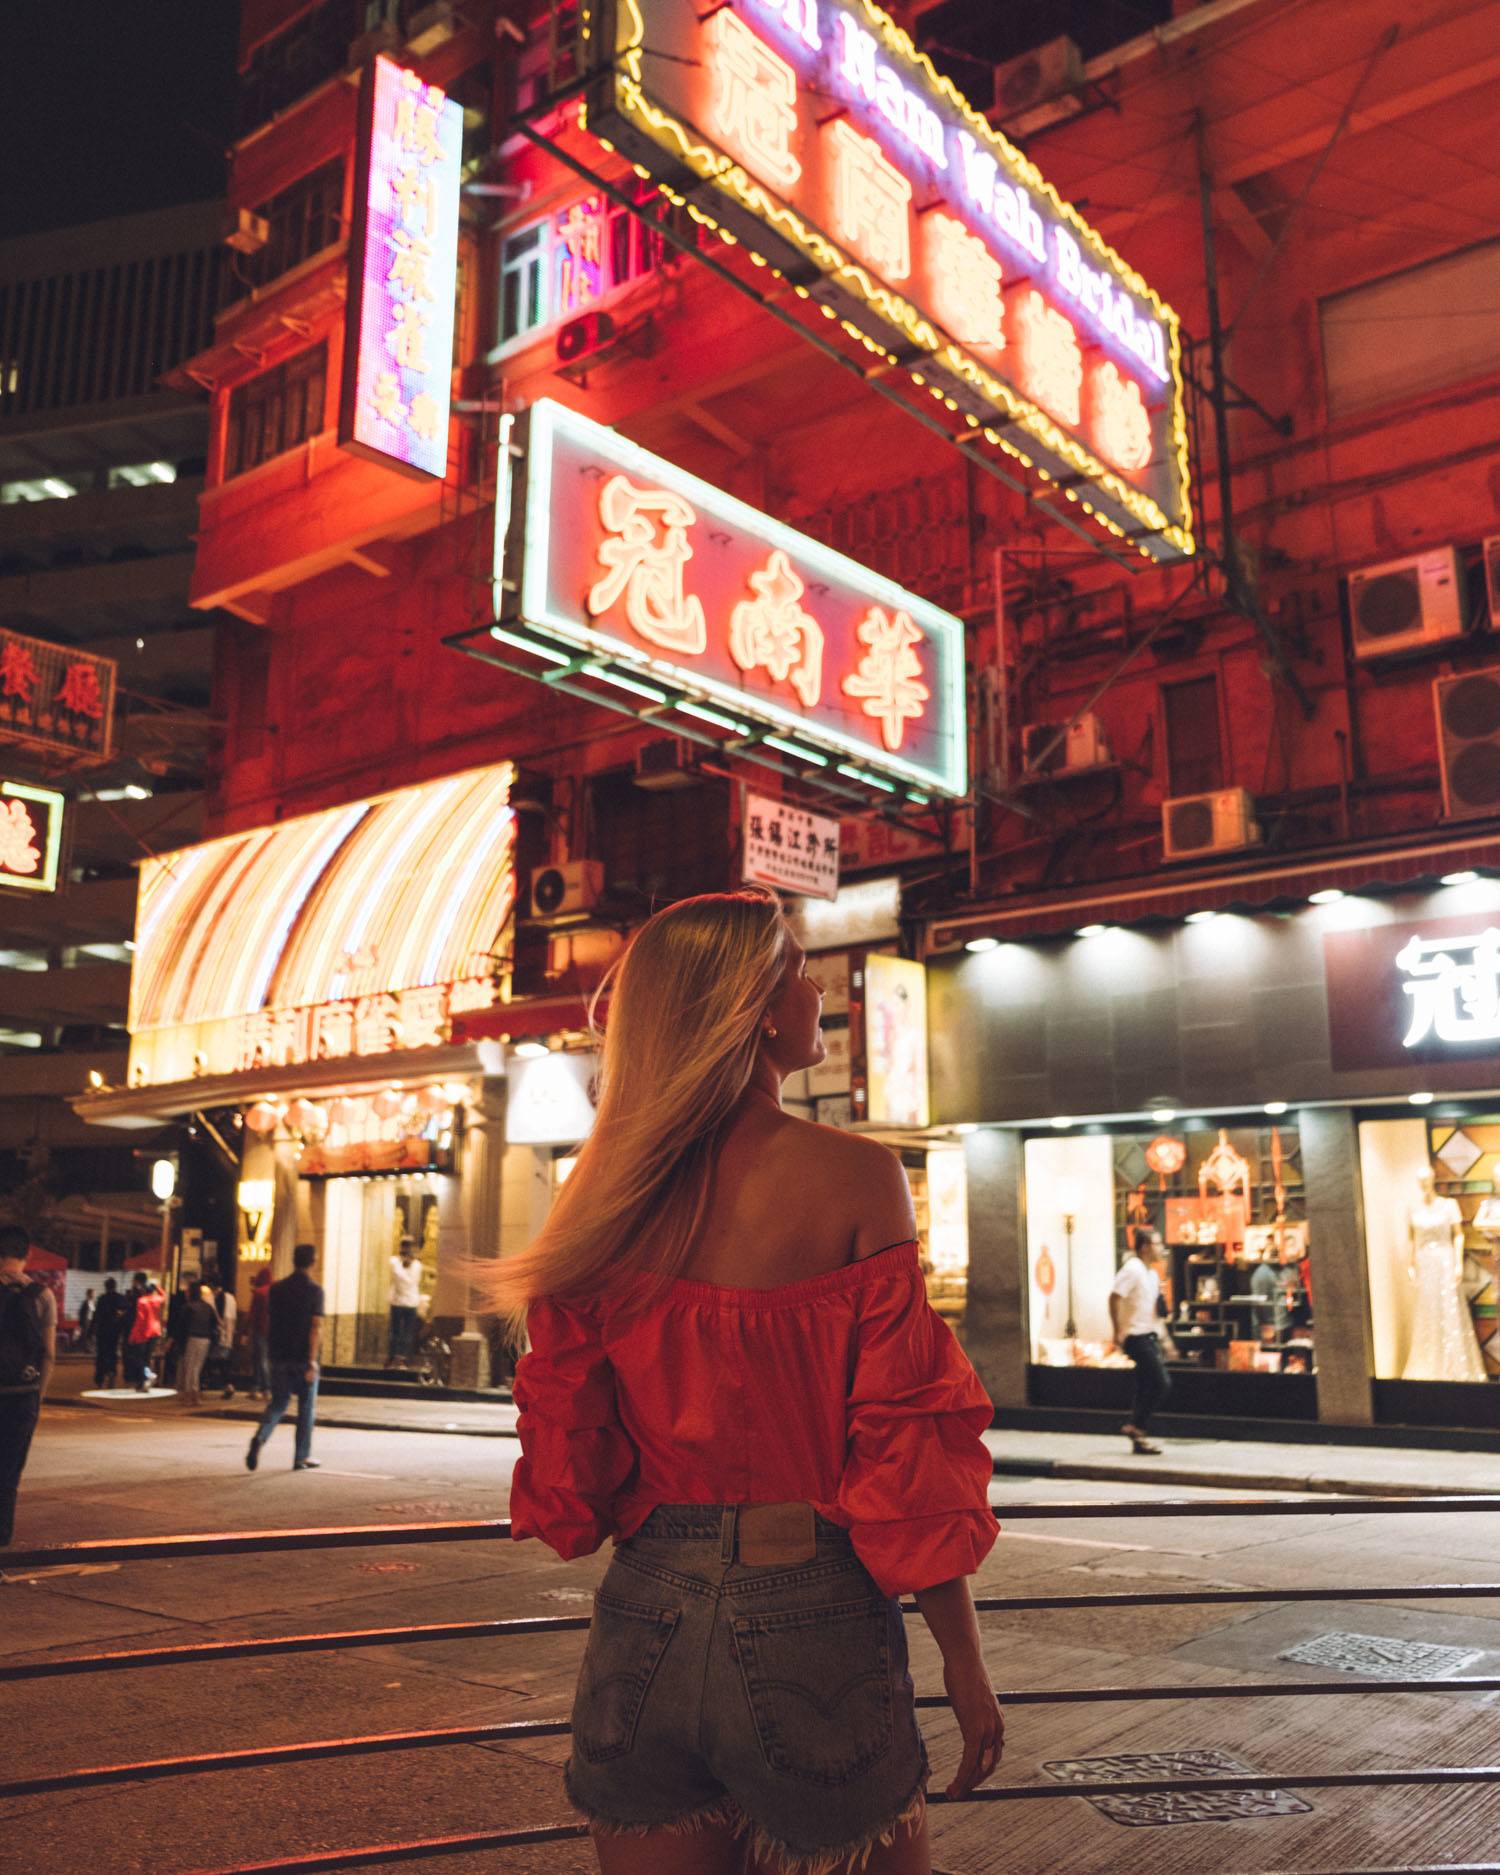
(777, 1533)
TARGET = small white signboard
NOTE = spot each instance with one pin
(790, 849)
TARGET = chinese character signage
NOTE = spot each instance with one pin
(786, 847)
(625, 554)
(814, 132)
(1403, 995)
(31, 824)
(403, 272)
(55, 697)
(888, 1039)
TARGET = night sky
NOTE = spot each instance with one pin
(111, 106)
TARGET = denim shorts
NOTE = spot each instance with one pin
(774, 1699)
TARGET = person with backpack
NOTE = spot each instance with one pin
(28, 1347)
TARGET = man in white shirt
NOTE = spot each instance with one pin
(1134, 1311)
(406, 1295)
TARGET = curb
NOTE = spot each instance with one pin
(1104, 1472)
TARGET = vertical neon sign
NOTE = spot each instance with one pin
(403, 272)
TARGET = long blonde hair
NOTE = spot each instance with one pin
(686, 1005)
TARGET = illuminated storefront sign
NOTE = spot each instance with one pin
(360, 932)
(786, 847)
(31, 824)
(816, 133)
(619, 552)
(54, 696)
(403, 272)
(1405, 993)
(888, 1038)
(1454, 986)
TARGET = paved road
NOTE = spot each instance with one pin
(105, 1473)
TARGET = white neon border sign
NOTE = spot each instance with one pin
(550, 419)
(45, 880)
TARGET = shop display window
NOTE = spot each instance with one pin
(1228, 1204)
(940, 1198)
(1432, 1235)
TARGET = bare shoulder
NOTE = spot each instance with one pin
(872, 1182)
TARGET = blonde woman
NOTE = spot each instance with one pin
(735, 1376)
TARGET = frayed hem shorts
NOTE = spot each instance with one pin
(771, 1699)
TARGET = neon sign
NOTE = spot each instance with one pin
(403, 272)
(31, 824)
(815, 133)
(1454, 986)
(621, 554)
(55, 696)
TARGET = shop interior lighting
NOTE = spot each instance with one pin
(1163, 1116)
(1091, 930)
(531, 1051)
(1420, 1100)
(1200, 917)
(1458, 878)
(982, 944)
(1275, 1106)
(1330, 895)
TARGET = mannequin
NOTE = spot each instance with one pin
(1443, 1343)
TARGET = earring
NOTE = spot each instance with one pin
(770, 1031)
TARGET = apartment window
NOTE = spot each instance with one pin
(1413, 332)
(523, 282)
(303, 219)
(1195, 762)
(275, 411)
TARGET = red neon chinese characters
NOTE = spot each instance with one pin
(647, 568)
(755, 101)
(80, 691)
(872, 202)
(889, 674)
(1121, 421)
(1051, 362)
(772, 632)
(966, 284)
(18, 849)
(17, 672)
(579, 232)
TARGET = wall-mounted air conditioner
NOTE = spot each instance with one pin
(1406, 605)
(1036, 77)
(1196, 824)
(1084, 746)
(245, 231)
(1468, 732)
(568, 891)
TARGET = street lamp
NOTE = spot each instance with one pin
(163, 1185)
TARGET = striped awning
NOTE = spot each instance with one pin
(361, 929)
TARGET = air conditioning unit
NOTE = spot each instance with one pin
(1046, 72)
(568, 891)
(1083, 747)
(1492, 579)
(667, 762)
(432, 26)
(584, 337)
(246, 232)
(1195, 824)
(1468, 732)
(1406, 605)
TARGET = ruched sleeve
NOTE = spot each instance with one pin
(575, 1455)
(915, 1490)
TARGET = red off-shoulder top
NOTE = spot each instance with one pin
(846, 1391)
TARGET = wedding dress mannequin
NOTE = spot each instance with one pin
(1443, 1343)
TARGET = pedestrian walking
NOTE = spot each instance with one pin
(260, 1332)
(28, 1348)
(406, 1300)
(200, 1324)
(734, 1374)
(1135, 1310)
(296, 1321)
(144, 1333)
(220, 1366)
(86, 1320)
(109, 1323)
(175, 1340)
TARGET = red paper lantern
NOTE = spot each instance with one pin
(1166, 1155)
(261, 1117)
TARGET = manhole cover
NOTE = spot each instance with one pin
(388, 1568)
(1379, 1657)
(1169, 1806)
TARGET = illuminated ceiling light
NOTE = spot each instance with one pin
(1092, 930)
(621, 682)
(522, 643)
(982, 944)
(59, 490)
(966, 1126)
(1200, 917)
(1420, 1100)
(795, 749)
(96, 1079)
(1458, 878)
(916, 796)
(530, 1051)
(1329, 895)
(873, 781)
(716, 717)
(1275, 1106)
(1061, 1121)
(1163, 1116)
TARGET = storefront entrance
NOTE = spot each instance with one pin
(360, 1229)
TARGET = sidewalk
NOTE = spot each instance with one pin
(1227, 1464)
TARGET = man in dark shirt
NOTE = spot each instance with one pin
(109, 1323)
(296, 1322)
